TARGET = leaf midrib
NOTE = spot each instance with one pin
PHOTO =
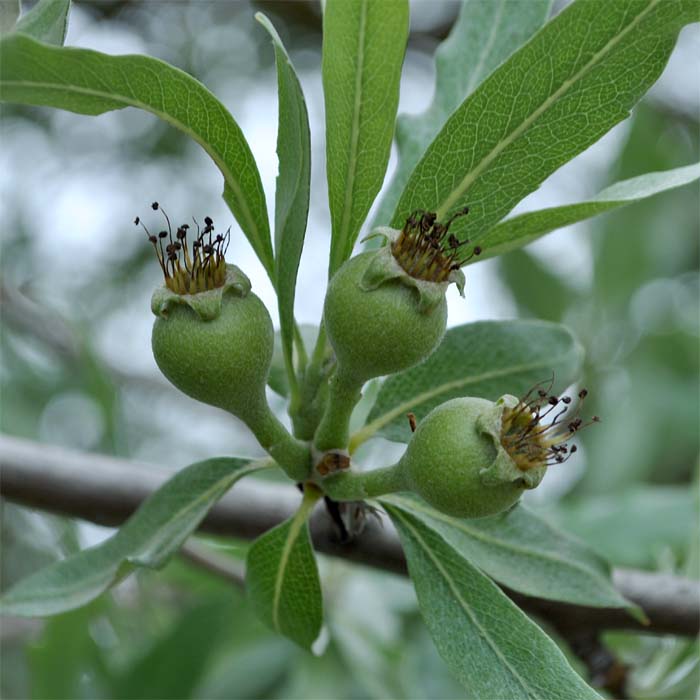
(133, 102)
(295, 526)
(465, 606)
(473, 174)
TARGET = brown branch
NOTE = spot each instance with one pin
(106, 490)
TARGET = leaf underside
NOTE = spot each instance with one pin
(149, 538)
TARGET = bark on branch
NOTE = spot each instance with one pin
(107, 491)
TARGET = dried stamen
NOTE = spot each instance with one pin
(426, 250)
(188, 272)
(532, 438)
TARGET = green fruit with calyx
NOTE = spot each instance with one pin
(385, 311)
(213, 338)
(215, 346)
(472, 458)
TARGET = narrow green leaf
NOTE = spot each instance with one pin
(523, 552)
(47, 21)
(490, 645)
(483, 36)
(521, 230)
(293, 186)
(485, 359)
(569, 85)
(363, 49)
(149, 538)
(282, 578)
(88, 82)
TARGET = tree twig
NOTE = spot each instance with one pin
(106, 490)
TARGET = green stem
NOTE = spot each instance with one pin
(344, 392)
(357, 486)
(291, 454)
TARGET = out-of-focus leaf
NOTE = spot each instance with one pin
(176, 662)
(570, 84)
(60, 658)
(149, 538)
(47, 21)
(483, 36)
(521, 230)
(282, 578)
(9, 14)
(485, 359)
(635, 526)
(88, 82)
(363, 49)
(523, 552)
(293, 183)
(492, 647)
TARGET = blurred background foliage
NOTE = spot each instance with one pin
(76, 367)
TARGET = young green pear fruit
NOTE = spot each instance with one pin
(385, 311)
(471, 458)
(213, 338)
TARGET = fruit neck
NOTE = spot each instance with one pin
(357, 486)
(292, 455)
(344, 391)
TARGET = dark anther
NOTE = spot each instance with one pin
(154, 206)
(208, 221)
(163, 234)
(477, 250)
(181, 233)
(411, 421)
(566, 400)
(552, 400)
(153, 239)
(137, 221)
(573, 449)
(583, 393)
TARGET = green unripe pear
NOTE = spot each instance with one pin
(457, 460)
(379, 330)
(385, 311)
(224, 361)
(213, 338)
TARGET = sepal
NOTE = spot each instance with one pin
(207, 304)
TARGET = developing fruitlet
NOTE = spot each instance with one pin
(213, 338)
(385, 310)
(472, 458)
